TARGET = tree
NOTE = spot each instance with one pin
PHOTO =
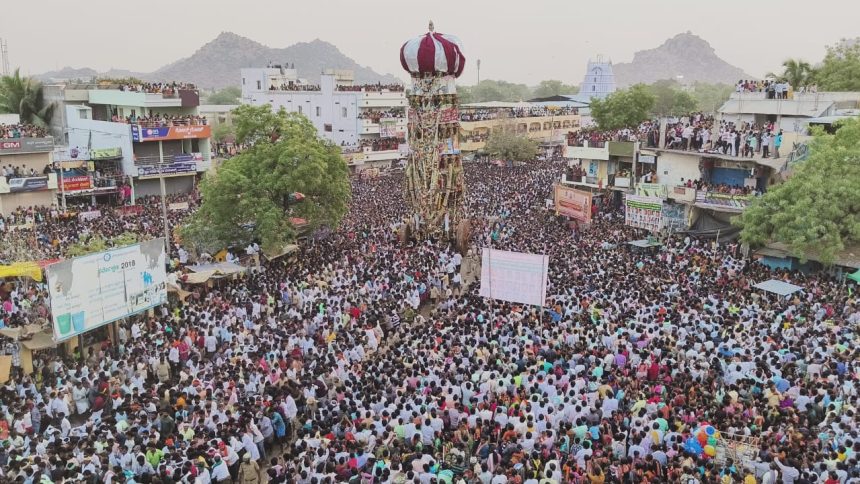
(222, 132)
(840, 70)
(817, 211)
(670, 99)
(89, 244)
(553, 88)
(796, 72)
(623, 109)
(709, 97)
(489, 90)
(25, 97)
(228, 95)
(506, 144)
(253, 196)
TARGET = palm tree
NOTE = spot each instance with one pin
(796, 72)
(25, 96)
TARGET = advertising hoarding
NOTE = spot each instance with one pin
(643, 212)
(26, 145)
(162, 133)
(573, 203)
(514, 276)
(90, 291)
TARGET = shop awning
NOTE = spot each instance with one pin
(776, 286)
(274, 254)
(854, 276)
(22, 269)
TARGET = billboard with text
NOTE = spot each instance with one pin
(573, 203)
(96, 289)
(162, 133)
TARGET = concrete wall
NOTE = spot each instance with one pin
(675, 168)
(10, 202)
(36, 161)
(172, 185)
(100, 134)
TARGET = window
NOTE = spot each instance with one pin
(258, 85)
(243, 81)
(327, 128)
(343, 112)
(593, 87)
(300, 110)
(83, 113)
(595, 79)
(318, 111)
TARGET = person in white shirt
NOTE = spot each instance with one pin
(220, 472)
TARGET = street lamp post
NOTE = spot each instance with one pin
(163, 198)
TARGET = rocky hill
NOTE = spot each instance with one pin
(685, 55)
(217, 63)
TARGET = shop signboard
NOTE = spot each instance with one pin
(26, 145)
(163, 133)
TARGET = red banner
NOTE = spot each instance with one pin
(130, 210)
(74, 183)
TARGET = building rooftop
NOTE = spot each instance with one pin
(777, 107)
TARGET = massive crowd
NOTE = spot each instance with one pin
(366, 361)
(10, 131)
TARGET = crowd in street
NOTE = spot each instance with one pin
(22, 130)
(364, 360)
(45, 233)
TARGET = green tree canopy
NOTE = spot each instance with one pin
(817, 211)
(840, 70)
(24, 96)
(553, 88)
(625, 108)
(222, 132)
(228, 95)
(709, 97)
(251, 196)
(670, 99)
(489, 90)
(507, 145)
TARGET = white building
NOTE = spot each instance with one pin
(367, 121)
(126, 131)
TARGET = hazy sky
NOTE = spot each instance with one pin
(522, 41)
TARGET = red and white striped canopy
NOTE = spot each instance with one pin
(433, 53)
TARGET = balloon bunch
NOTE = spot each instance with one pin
(703, 442)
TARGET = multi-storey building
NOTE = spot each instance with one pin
(367, 121)
(545, 122)
(26, 178)
(140, 133)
